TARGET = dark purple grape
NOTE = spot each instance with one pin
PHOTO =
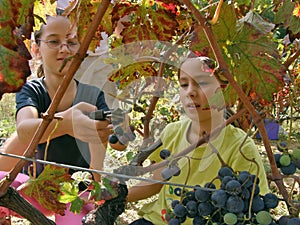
(175, 169)
(256, 189)
(210, 185)
(297, 163)
(244, 178)
(233, 187)
(205, 208)
(257, 204)
(270, 200)
(277, 157)
(174, 221)
(199, 220)
(181, 219)
(245, 194)
(253, 178)
(235, 204)
(246, 205)
(293, 221)
(219, 198)
(282, 146)
(202, 195)
(179, 210)
(174, 203)
(225, 180)
(113, 139)
(283, 220)
(166, 173)
(192, 209)
(164, 153)
(288, 170)
(189, 196)
(225, 171)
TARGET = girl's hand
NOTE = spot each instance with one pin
(84, 128)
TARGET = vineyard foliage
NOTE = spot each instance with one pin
(259, 41)
(250, 38)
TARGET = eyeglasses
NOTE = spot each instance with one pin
(72, 45)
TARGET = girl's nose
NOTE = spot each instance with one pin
(64, 47)
(192, 90)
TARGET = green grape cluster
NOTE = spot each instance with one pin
(287, 161)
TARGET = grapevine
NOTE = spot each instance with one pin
(166, 22)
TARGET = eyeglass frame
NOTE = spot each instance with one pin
(58, 46)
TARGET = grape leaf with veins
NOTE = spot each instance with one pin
(249, 52)
(15, 28)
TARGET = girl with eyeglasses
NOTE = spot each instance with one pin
(76, 139)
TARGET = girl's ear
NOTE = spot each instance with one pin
(35, 50)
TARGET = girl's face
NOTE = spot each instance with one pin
(57, 42)
(197, 86)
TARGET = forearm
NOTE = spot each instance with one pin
(11, 146)
(27, 128)
(142, 191)
(97, 152)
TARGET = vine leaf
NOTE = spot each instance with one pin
(251, 55)
(83, 14)
(288, 15)
(41, 10)
(46, 188)
(144, 25)
(14, 67)
(132, 72)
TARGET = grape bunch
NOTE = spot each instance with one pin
(287, 161)
(227, 205)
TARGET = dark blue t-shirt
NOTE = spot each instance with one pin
(64, 149)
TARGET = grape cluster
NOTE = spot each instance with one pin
(287, 161)
(227, 205)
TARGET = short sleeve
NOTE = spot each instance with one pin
(33, 93)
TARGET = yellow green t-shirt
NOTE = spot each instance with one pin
(201, 165)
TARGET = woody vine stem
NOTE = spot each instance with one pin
(276, 176)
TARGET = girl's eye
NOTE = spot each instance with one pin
(183, 84)
(72, 42)
(202, 83)
(53, 41)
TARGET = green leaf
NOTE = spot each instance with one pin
(96, 191)
(108, 185)
(76, 205)
(284, 13)
(255, 62)
(249, 52)
(46, 188)
(70, 192)
(295, 25)
(285, 16)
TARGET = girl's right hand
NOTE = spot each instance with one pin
(84, 128)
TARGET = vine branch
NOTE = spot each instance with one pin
(256, 117)
(49, 115)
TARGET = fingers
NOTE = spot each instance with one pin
(85, 107)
